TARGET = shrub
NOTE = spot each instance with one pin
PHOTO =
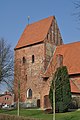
(74, 103)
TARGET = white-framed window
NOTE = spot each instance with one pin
(29, 93)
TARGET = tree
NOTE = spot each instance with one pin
(6, 63)
(62, 90)
(17, 82)
(10, 86)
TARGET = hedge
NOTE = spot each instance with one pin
(12, 117)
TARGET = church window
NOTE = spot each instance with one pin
(26, 78)
(47, 36)
(33, 58)
(29, 93)
(24, 60)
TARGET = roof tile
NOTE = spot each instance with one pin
(35, 32)
(74, 86)
(71, 58)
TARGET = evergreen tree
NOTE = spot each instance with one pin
(62, 89)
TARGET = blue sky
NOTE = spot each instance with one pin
(13, 17)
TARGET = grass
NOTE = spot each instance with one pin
(41, 115)
(68, 116)
(29, 113)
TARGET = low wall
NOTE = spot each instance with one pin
(12, 117)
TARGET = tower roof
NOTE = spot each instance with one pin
(35, 32)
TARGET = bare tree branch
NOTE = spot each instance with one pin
(6, 63)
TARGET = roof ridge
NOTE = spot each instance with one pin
(68, 44)
(41, 20)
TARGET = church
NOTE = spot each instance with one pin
(39, 51)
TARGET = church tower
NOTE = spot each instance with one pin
(33, 53)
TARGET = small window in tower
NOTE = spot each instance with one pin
(32, 58)
(47, 36)
(26, 78)
(24, 60)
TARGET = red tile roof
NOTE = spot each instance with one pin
(75, 86)
(35, 32)
(71, 58)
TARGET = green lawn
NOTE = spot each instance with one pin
(40, 114)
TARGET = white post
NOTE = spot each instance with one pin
(18, 97)
(54, 100)
(18, 108)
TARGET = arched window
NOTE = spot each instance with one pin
(29, 93)
(24, 60)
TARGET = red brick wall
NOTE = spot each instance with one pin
(32, 70)
(45, 92)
